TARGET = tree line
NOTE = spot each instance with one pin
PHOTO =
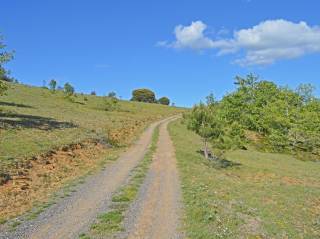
(262, 114)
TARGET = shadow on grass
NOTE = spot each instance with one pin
(218, 162)
(14, 121)
(2, 103)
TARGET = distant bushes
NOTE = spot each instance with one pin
(143, 95)
(284, 120)
(68, 89)
(148, 96)
(164, 101)
(53, 85)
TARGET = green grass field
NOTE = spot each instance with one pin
(259, 195)
(34, 120)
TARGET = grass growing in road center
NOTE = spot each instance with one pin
(112, 222)
(260, 195)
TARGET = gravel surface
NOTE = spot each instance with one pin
(156, 212)
(73, 215)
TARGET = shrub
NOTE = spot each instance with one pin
(4, 58)
(3, 87)
(164, 101)
(68, 89)
(7, 78)
(110, 103)
(143, 95)
(53, 85)
(112, 94)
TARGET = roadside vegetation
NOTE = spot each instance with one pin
(250, 194)
(262, 115)
(111, 222)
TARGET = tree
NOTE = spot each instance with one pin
(4, 58)
(143, 95)
(306, 91)
(3, 87)
(112, 94)
(53, 85)
(204, 122)
(68, 89)
(93, 93)
(164, 101)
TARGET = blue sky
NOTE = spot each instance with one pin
(180, 49)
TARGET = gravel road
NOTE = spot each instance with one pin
(73, 215)
(155, 214)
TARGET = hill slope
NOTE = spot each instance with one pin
(47, 140)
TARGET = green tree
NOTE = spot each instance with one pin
(3, 87)
(4, 58)
(53, 85)
(204, 122)
(306, 91)
(143, 95)
(112, 94)
(164, 101)
(68, 89)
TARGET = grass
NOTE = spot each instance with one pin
(257, 195)
(112, 222)
(33, 120)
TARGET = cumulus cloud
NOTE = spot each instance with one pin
(262, 44)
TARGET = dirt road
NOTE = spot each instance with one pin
(155, 215)
(73, 215)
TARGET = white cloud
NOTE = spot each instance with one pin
(192, 36)
(262, 44)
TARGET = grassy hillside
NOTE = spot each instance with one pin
(253, 195)
(48, 142)
(33, 120)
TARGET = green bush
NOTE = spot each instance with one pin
(285, 120)
(3, 87)
(110, 103)
(53, 85)
(68, 89)
(164, 101)
(143, 95)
